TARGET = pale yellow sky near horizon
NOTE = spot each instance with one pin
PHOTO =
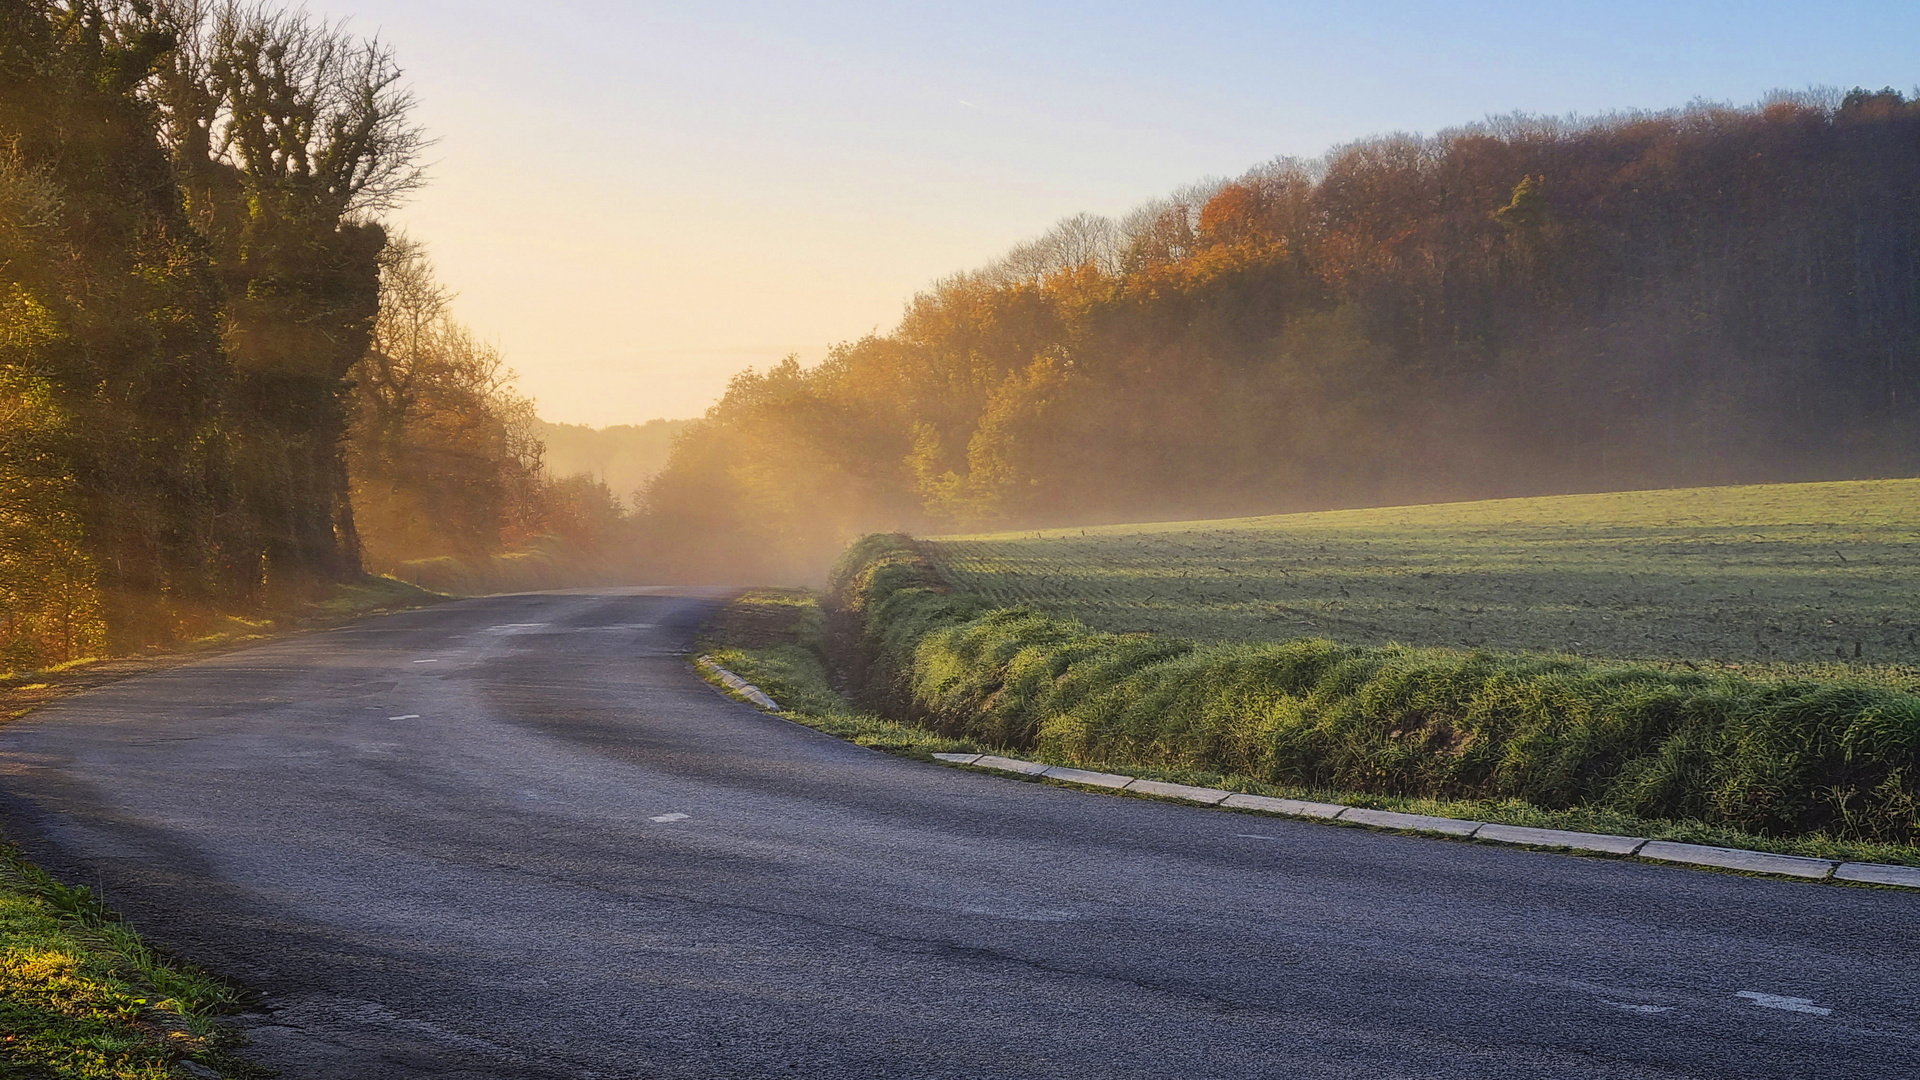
(637, 200)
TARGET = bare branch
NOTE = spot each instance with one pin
(284, 98)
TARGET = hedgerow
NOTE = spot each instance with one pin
(1780, 757)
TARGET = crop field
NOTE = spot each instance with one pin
(1789, 576)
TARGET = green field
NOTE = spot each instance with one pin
(1788, 574)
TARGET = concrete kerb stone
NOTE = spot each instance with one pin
(1292, 807)
(1084, 776)
(1007, 764)
(1389, 819)
(1760, 862)
(739, 685)
(1601, 843)
(1207, 795)
(1878, 874)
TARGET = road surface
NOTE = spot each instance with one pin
(517, 837)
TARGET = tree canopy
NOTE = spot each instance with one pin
(1525, 306)
(212, 353)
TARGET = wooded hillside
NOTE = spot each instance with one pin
(1526, 306)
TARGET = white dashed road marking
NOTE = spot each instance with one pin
(1644, 1010)
(669, 817)
(435, 660)
(1790, 1004)
(409, 716)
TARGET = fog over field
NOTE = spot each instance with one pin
(1805, 574)
(623, 457)
(1527, 306)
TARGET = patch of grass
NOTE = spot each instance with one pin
(777, 640)
(372, 594)
(1802, 761)
(1784, 579)
(545, 562)
(22, 692)
(82, 996)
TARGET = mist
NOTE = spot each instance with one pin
(1528, 306)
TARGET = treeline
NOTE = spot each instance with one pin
(1527, 306)
(195, 315)
(622, 456)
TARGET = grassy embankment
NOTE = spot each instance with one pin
(546, 562)
(778, 640)
(1765, 746)
(80, 994)
(23, 691)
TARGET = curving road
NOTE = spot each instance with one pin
(516, 837)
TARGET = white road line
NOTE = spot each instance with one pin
(670, 817)
(433, 661)
(409, 716)
(1790, 1004)
(1254, 836)
(1644, 1010)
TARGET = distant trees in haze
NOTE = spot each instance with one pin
(1524, 306)
(443, 452)
(623, 456)
(446, 459)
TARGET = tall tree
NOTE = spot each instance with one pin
(289, 134)
(109, 349)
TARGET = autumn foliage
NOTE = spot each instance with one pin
(206, 367)
(1526, 306)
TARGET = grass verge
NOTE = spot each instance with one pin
(23, 691)
(779, 640)
(82, 996)
(776, 639)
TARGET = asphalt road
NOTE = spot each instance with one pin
(517, 837)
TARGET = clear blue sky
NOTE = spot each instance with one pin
(637, 200)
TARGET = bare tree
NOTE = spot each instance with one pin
(282, 97)
(1080, 240)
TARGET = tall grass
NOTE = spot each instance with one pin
(82, 996)
(1776, 756)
